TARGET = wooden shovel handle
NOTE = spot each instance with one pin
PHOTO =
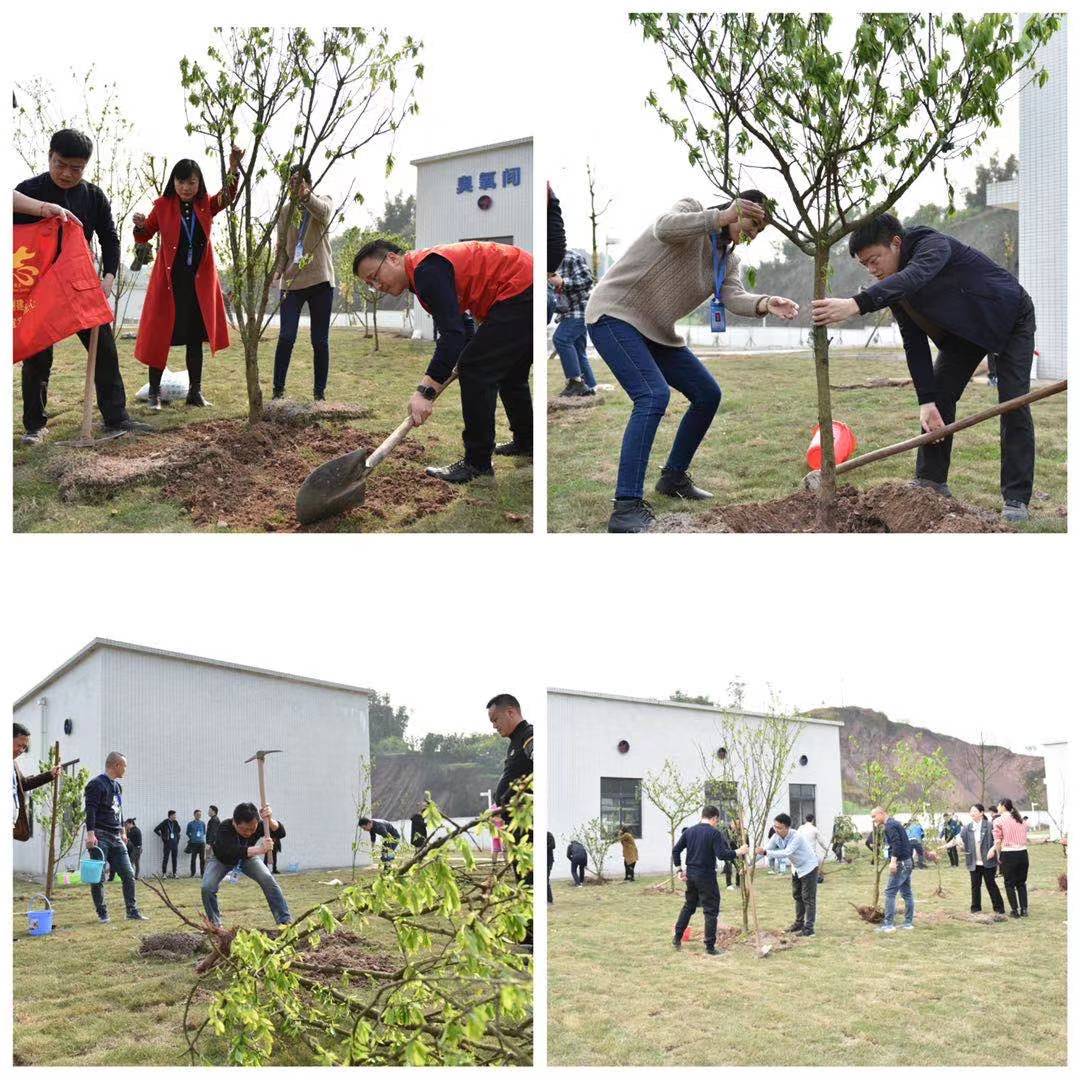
(959, 425)
(403, 429)
(86, 431)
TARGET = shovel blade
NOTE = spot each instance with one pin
(334, 487)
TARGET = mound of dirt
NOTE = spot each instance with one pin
(730, 937)
(890, 507)
(299, 413)
(233, 475)
(344, 950)
(564, 404)
(983, 918)
(869, 914)
(177, 946)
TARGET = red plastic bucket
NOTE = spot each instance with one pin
(844, 443)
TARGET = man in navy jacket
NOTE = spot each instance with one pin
(941, 290)
(704, 845)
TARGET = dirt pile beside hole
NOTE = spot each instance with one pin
(229, 474)
(889, 507)
(344, 950)
(983, 918)
(177, 946)
(869, 914)
(568, 404)
(298, 413)
(730, 937)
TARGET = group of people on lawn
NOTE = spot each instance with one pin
(479, 295)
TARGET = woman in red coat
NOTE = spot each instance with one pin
(183, 305)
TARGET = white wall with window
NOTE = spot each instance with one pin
(601, 747)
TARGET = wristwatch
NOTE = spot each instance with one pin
(428, 392)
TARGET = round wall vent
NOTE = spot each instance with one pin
(624, 747)
(722, 753)
(68, 726)
(804, 760)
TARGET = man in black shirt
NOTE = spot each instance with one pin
(69, 151)
(213, 823)
(235, 846)
(169, 833)
(704, 845)
(375, 828)
(418, 827)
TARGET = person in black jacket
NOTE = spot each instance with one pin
(551, 863)
(418, 827)
(104, 799)
(63, 185)
(704, 845)
(943, 291)
(213, 823)
(579, 860)
(169, 833)
(236, 845)
(134, 845)
(375, 828)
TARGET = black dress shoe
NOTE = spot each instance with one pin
(631, 516)
(795, 928)
(680, 485)
(138, 916)
(677, 942)
(1014, 914)
(129, 425)
(1023, 913)
(461, 472)
(712, 950)
(806, 933)
(278, 395)
(320, 395)
(195, 397)
(513, 449)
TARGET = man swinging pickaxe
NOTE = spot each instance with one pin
(260, 757)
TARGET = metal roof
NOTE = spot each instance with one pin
(683, 705)
(472, 150)
(107, 643)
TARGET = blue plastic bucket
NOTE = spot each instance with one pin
(91, 869)
(40, 921)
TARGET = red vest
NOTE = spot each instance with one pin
(484, 273)
(159, 308)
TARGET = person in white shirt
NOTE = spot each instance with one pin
(813, 837)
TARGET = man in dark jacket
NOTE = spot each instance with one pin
(418, 827)
(213, 823)
(134, 845)
(579, 860)
(376, 827)
(704, 845)
(104, 799)
(69, 152)
(895, 838)
(949, 831)
(169, 833)
(235, 845)
(20, 785)
(943, 291)
(551, 863)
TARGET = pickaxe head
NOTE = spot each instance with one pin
(260, 754)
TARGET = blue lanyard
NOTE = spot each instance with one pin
(189, 231)
(719, 265)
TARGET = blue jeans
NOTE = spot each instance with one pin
(115, 852)
(320, 301)
(570, 342)
(645, 370)
(900, 882)
(217, 871)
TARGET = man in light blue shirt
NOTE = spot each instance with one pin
(804, 872)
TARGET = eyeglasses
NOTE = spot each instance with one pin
(370, 279)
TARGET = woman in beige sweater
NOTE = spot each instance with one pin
(687, 256)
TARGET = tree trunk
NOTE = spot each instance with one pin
(50, 873)
(375, 321)
(251, 371)
(826, 508)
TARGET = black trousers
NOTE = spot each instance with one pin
(952, 372)
(804, 890)
(198, 851)
(577, 872)
(838, 851)
(727, 874)
(1014, 868)
(629, 867)
(107, 381)
(987, 875)
(193, 358)
(954, 857)
(703, 890)
(172, 849)
(495, 364)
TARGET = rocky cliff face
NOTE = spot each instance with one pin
(868, 734)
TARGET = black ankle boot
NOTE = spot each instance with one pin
(195, 397)
(631, 516)
(680, 485)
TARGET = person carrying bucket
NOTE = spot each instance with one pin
(685, 257)
(104, 799)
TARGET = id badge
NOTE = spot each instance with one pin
(717, 316)
(298, 254)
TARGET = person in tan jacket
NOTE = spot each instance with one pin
(629, 853)
(20, 785)
(304, 273)
(687, 256)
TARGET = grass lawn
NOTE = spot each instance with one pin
(381, 382)
(756, 447)
(618, 994)
(84, 996)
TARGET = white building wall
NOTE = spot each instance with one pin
(186, 729)
(446, 216)
(1056, 760)
(1044, 231)
(584, 733)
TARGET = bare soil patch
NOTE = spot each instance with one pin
(890, 507)
(229, 474)
(570, 404)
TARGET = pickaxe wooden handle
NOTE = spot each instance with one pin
(959, 425)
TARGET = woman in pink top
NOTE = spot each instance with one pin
(1010, 844)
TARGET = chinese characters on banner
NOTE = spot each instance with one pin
(511, 177)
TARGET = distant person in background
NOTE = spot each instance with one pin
(169, 833)
(810, 830)
(732, 866)
(134, 845)
(196, 842)
(916, 834)
(629, 853)
(20, 785)
(213, 823)
(573, 282)
(949, 831)
(377, 827)
(838, 840)
(579, 859)
(977, 840)
(900, 870)
(551, 863)
(418, 827)
(1010, 847)
(304, 274)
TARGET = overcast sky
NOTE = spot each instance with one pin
(638, 165)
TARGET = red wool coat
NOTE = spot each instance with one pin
(159, 309)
